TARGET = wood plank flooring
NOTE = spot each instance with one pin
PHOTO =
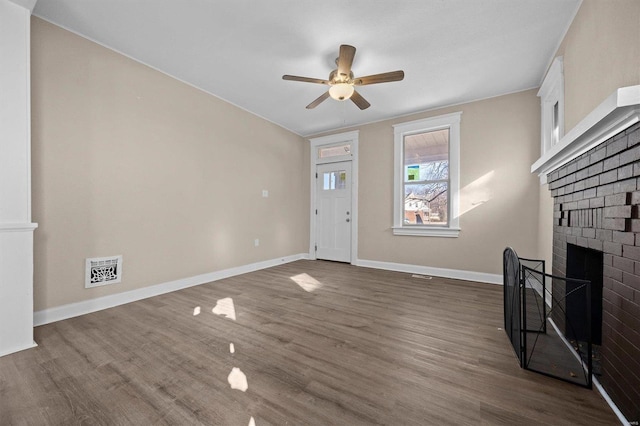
(365, 347)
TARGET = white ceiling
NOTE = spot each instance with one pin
(452, 51)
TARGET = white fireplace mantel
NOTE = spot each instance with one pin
(620, 110)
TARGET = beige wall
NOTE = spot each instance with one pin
(500, 139)
(129, 161)
(601, 53)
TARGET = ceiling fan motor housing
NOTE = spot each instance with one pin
(336, 78)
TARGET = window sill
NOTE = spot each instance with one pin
(426, 231)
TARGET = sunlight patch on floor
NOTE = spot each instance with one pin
(238, 380)
(196, 311)
(307, 282)
(225, 308)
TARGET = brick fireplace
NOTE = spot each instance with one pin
(597, 208)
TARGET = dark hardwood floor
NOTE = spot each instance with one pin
(364, 347)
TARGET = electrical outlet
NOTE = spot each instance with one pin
(256, 242)
(265, 193)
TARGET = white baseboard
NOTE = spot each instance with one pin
(71, 310)
(612, 404)
(428, 270)
(17, 349)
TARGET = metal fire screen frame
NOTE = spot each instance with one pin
(538, 343)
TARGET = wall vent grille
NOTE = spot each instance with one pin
(102, 271)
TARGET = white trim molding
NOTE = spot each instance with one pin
(71, 310)
(457, 274)
(18, 227)
(620, 110)
(16, 287)
(18, 349)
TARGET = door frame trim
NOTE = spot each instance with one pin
(323, 141)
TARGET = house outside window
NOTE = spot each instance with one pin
(427, 174)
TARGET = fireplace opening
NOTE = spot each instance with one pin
(585, 264)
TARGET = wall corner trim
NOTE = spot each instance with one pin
(72, 310)
(428, 270)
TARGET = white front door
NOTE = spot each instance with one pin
(333, 211)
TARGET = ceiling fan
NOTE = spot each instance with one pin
(341, 81)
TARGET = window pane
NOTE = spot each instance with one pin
(327, 181)
(426, 156)
(334, 151)
(435, 170)
(555, 124)
(426, 204)
(340, 178)
(334, 180)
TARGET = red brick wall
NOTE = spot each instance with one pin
(596, 205)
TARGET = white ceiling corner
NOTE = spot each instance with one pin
(27, 4)
(452, 51)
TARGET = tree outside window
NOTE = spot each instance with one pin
(426, 178)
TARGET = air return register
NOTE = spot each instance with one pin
(102, 271)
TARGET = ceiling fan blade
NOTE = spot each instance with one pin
(345, 60)
(304, 79)
(319, 100)
(385, 77)
(359, 100)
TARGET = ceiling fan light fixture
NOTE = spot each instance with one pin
(341, 91)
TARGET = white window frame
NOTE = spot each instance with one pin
(448, 121)
(551, 93)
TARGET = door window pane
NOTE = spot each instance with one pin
(334, 180)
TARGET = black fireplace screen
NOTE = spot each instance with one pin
(512, 297)
(544, 337)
